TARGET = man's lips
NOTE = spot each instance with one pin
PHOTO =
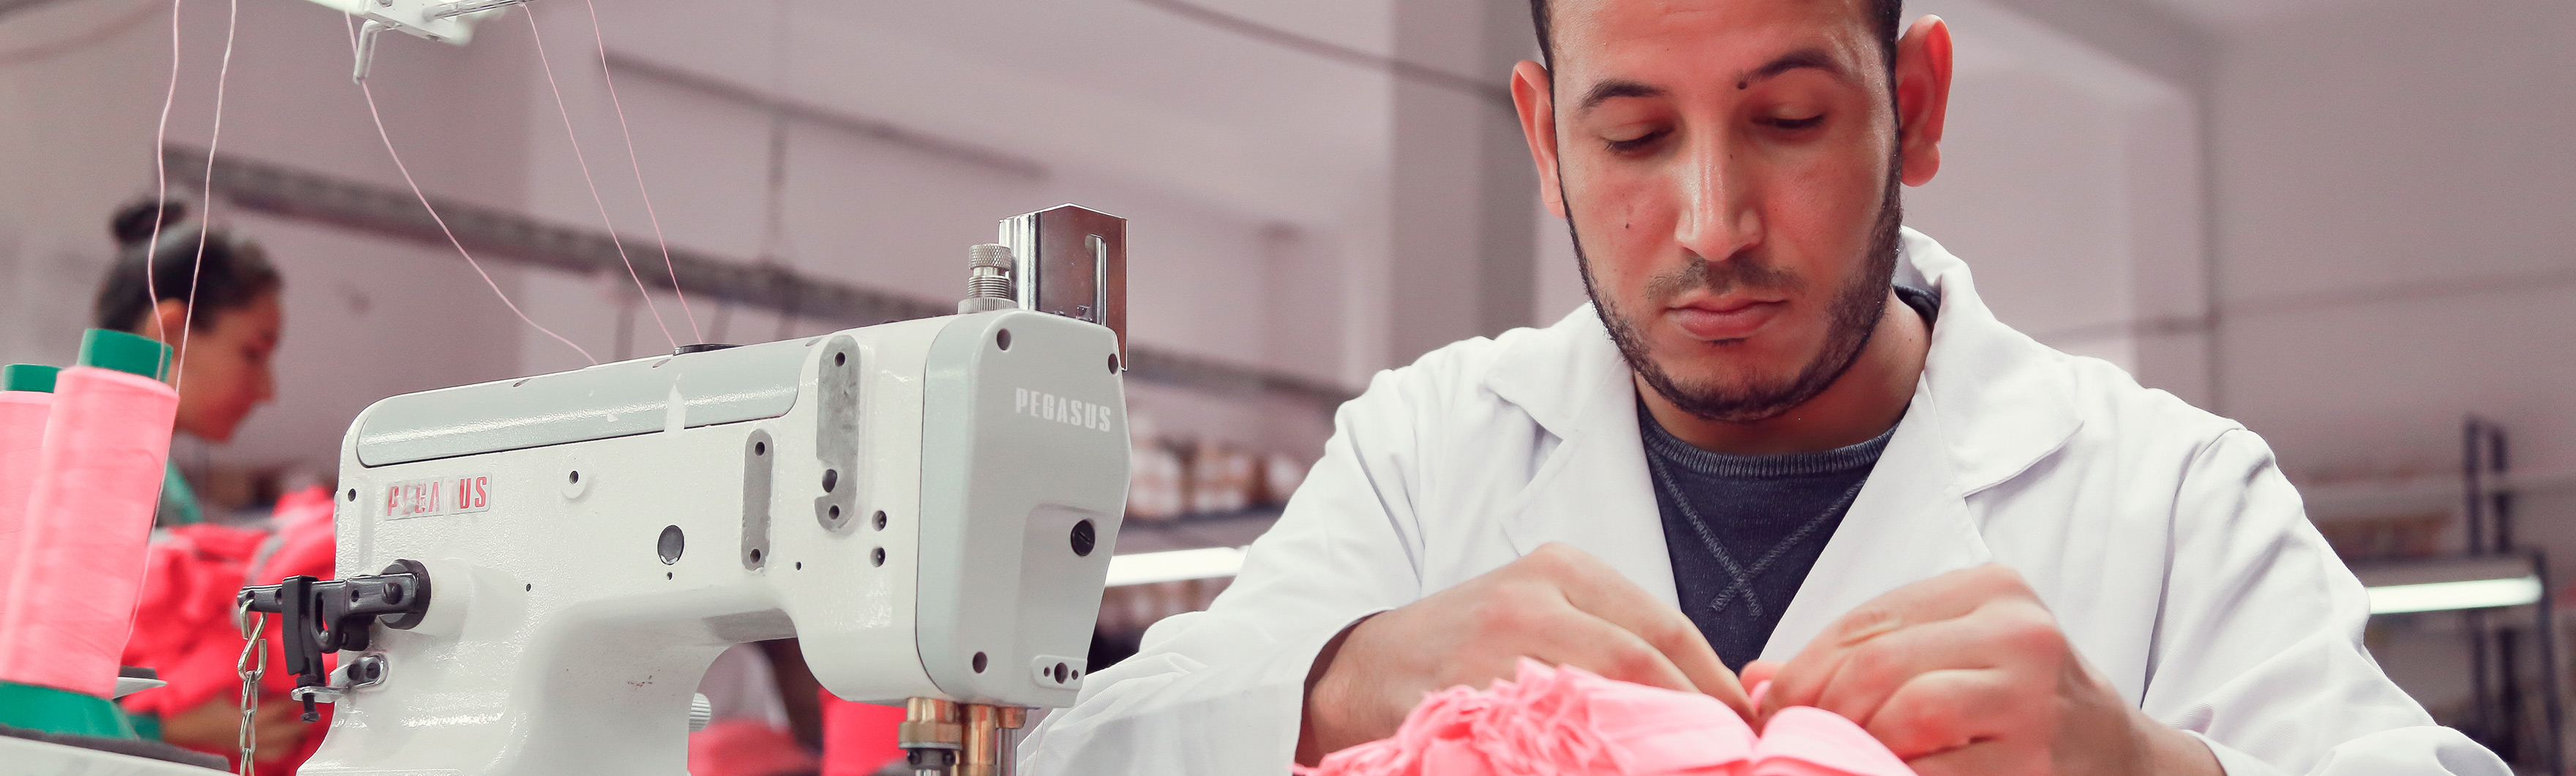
(1724, 320)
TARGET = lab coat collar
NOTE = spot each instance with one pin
(1572, 381)
(1991, 403)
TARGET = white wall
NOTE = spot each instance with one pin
(1204, 278)
(2393, 182)
(68, 157)
(1230, 267)
(2390, 196)
(2071, 183)
(366, 318)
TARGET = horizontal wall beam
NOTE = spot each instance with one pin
(863, 126)
(13, 6)
(506, 235)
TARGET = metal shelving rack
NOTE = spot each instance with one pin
(2498, 716)
(2508, 642)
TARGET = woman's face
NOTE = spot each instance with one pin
(224, 368)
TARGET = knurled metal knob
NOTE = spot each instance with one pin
(988, 279)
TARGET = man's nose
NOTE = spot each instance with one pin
(1718, 219)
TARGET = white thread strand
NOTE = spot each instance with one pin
(586, 177)
(451, 234)
(161, 176)
(638, 164)
(214, 140)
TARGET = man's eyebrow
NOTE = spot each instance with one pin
(1614, 89)
(1802, 59)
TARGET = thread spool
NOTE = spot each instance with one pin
(26, 396)
(107, 439)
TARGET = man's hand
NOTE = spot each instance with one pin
(1967, 673)
(1558, 605)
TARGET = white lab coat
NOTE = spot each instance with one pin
(2174, 554)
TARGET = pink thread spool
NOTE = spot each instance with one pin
(107, 441)
(26, 396)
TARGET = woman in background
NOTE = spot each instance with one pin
(222, 334)
(230, 332)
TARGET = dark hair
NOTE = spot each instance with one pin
(234, 272)
(1884, 16)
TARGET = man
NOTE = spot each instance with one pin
(1786, 429)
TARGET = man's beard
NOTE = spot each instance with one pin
(1854, 314)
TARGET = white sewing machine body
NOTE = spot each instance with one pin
(928, 505)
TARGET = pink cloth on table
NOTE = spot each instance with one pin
(72, 594)
(858, 738)
(742, 746)
(1571, 722)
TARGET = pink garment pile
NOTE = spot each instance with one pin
(743, 746)
(183, 626)
(1571, 722)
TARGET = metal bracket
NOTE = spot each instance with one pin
(366, 671)
(319, 616)
(438, 20)
(1073, 263)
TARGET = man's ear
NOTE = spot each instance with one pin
(1922, 96)
(1537, 106)
(169, 319)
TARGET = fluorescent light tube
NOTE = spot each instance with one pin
(1175, 565)
(2447, 596)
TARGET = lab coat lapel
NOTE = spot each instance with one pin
(1591, 490)
(1991, 403)
(1907, 524)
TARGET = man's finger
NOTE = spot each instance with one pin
(1870, 672)
(1578, 639)
(1984, 758)
(1601, 591)
(1942, 597)
(1759, 671)
(1944, 711)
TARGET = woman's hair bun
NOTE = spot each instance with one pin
(135, 223)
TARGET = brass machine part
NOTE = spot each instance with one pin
(963, 739)
(981, 757)
(930, 734)
(929, 723)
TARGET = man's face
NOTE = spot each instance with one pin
(1729, 171)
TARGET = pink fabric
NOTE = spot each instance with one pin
(1571, 722)
(71, 597)
(22, 438)
(183, 627)
(858, 738)
(742, 746)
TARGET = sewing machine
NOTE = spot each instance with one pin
(534, 573)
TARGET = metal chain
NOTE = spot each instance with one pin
(252, 664)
